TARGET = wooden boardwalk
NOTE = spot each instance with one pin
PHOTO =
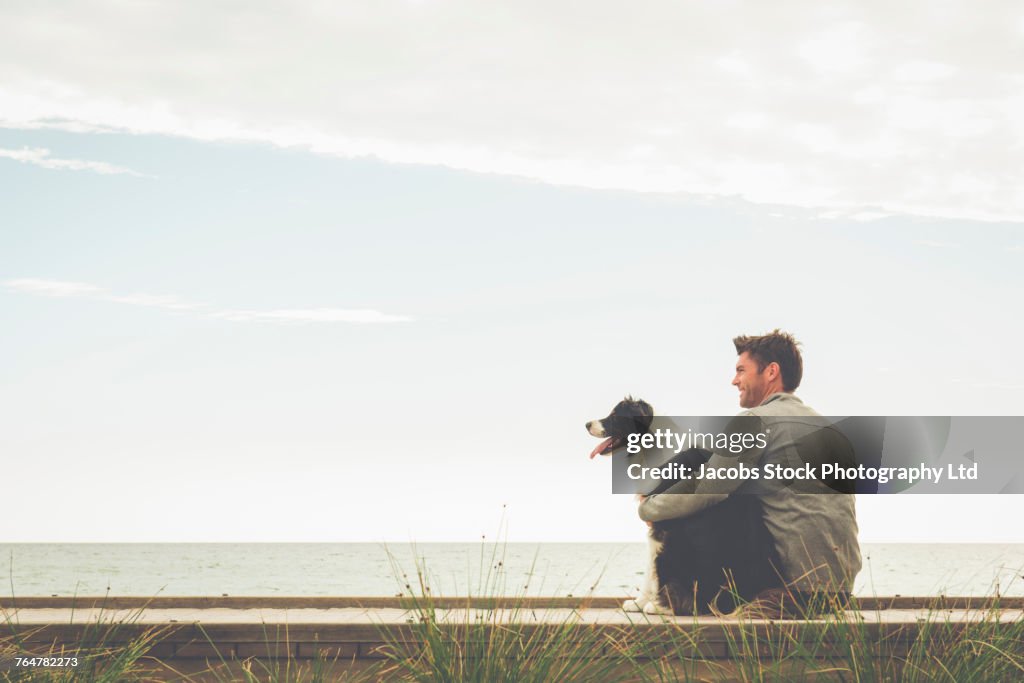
(201, 630)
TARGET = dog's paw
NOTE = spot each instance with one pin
(654, 607)
(632, 606)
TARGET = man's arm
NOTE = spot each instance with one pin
(675, 503)
(690, 496)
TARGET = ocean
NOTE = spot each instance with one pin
(367, 569)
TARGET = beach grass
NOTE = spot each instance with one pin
(275, 668)
(103, 653)
(839, 643)
(841, 646)
(497, 634)
(499, 645)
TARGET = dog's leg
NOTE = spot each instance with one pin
(649, 589)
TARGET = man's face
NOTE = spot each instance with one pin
(749, 381)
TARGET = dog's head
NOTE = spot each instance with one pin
(629, 416)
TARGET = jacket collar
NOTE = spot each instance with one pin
(781, 396)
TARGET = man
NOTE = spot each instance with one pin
(813, 527)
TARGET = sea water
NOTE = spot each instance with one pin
(365, 569)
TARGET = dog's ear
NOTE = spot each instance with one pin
(642, 423)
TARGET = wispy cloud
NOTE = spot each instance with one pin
(52, 287)
(861, 215)
(65, 125)
(829, 110)
(59, 288)
(82, 290)
(38, 156)
(324, 315)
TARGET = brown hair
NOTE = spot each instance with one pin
(774, 347)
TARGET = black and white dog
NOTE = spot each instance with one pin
(708, 562)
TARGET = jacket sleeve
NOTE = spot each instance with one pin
(690, 496)
(672, 504)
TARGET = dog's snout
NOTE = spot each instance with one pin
(595, 428)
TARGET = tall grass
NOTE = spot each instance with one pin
(508, 642)
(841, 644)
(280, 666)
(105, 652)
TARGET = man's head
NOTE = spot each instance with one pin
(767, 364)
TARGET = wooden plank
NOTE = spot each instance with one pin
(441, 602)
(214, 651)
(328, 650)
(267, 650)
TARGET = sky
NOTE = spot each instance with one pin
(361, 272)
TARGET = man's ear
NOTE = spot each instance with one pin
(773, 370)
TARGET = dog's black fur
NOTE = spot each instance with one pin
(710, 561)
(629, 416)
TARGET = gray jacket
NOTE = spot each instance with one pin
(815, 531)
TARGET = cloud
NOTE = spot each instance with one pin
(861, 215)
(334, 315)
(41, 157)
(65, 125)
(58, 288)
(52, 287)
(819, 106)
